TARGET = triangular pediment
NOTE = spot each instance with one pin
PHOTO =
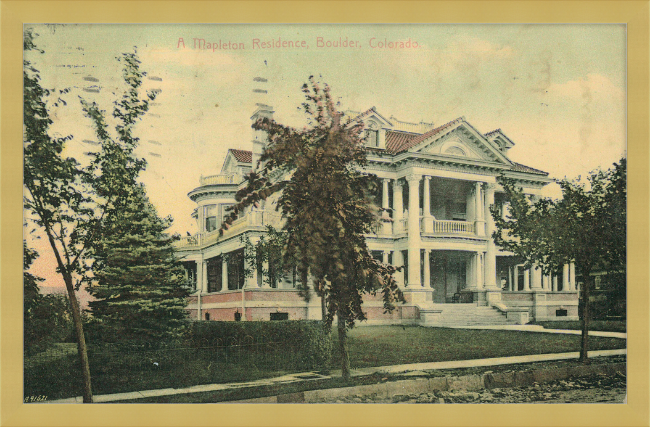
(463, 141)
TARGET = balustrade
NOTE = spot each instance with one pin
(231, 178)
(453, 227)
(251, 219)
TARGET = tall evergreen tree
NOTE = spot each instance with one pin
(327, 203)
(139, 285)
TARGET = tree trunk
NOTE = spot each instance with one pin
(323, 308)
(343, 348)
(584, 302)
(78, 325)
(81, 342)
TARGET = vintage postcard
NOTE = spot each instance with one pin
(263, 214)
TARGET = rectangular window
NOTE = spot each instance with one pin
(236, 270)
(214, 268)
(372, 138)
(210, 215)
(279, 316)
(561, 313)
(190, 274)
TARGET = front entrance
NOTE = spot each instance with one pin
(448, 275)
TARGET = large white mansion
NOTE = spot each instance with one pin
(439, 182)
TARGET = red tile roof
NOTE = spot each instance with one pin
(395, 140)
(242, 155)
(406, 143)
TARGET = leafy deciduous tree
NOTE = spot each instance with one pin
(46, 317)
(55, 195)
(327, 203)
(587, 226)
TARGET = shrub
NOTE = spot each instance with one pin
(305, 343)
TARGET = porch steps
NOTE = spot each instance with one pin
(451, 315)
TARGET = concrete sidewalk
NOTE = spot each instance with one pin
(539, 328)
(414, 368)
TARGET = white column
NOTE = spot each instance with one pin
(572, 277)
(201, 219)
(198, 306)
(536, 279)
(385, 226)
(428, 221)
(224, 273)
(479, 222)
(554, 286)
(202, 275)
(414, 230)
(527, 280)
(427, 270)
(398, 207)
(565, 277)
(478, 270)
(385, 257)
(490, 258)
(515, 276)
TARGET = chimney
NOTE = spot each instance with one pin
(262, 110)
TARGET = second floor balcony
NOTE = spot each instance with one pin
(252, 220)
(438, 227)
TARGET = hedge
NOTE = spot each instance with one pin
(305, 343)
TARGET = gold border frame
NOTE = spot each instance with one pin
(634, 13)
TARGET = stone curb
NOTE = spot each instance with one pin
(448, 383)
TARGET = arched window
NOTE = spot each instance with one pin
(455, 151)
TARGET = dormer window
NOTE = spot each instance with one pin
(372, 135)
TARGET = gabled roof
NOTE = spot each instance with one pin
(498, 134)
(355, 116)
(416, 139)
(242, 156)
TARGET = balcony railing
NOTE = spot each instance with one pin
(251, 219)
(230, 178)
(429, 225)
(453, 227)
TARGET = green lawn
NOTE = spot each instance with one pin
(369, 346)
(395, 345)
(594, 325)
